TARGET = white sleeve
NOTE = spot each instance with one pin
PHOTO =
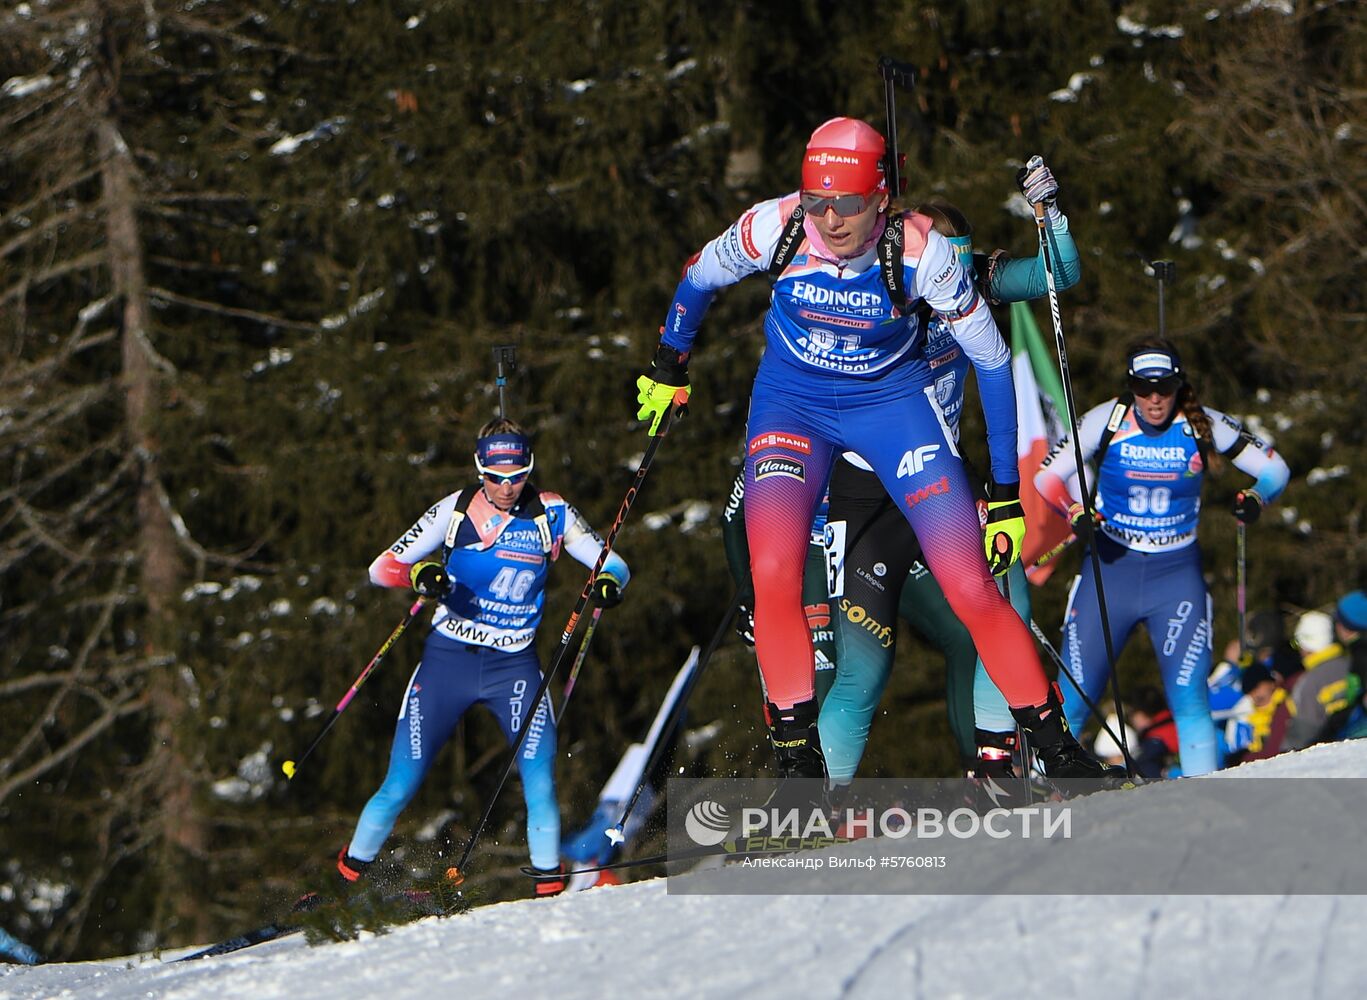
(1249, 454)
(1060, 465)
(745, 248)
(584, 544)
(427, 535)
(950, 290)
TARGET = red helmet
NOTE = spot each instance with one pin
(844, 154)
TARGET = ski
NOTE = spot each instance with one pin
(416, 898)
(270, 932)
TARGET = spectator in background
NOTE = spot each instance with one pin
(1229, 706)
(1267, 644)
(1350, 616)
(1320, 695)
(1350, 625)
(1105, 746)
(1270, 717)
(1157, 741)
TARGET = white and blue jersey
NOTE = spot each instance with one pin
(498, 563)
(480, 650)
(1149, 491)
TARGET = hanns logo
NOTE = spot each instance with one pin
(789, 467)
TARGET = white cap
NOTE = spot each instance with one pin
(1105, 746)
(1314, 632)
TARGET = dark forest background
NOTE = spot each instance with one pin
(253, 261)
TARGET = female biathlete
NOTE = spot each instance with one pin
(878, 569)
(1151, 448)
(494, 543)
(845, 369)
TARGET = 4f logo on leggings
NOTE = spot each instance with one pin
(914, 462)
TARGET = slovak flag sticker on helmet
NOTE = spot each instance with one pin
(827, 181)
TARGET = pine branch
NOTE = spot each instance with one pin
(213, 307)
(83, 262)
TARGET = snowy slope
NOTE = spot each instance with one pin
(639, 941)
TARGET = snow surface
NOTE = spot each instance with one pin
(639, 941)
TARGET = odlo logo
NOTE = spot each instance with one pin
(707, 823)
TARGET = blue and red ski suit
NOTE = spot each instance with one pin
(844, 369)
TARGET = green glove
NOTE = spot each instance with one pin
(665, 386)
(1005, 530)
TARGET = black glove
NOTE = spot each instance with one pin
(606, 592)
(1082, 525)
(1247, 506)
(659, 390)
(429, 579)
(745, 625)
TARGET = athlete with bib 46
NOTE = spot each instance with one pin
(845, 369)
(483, 554)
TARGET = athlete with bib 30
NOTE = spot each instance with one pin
(845, 369)
(1151, 448)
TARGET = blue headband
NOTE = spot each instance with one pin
(1154, 364)
(503, 449)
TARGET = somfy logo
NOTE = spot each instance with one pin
(707, 823)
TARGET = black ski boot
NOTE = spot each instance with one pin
(548, 882)
(797, 749)
(1069, 767)
(350, 869)
(992, 772)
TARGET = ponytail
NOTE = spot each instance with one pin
(1199, 421)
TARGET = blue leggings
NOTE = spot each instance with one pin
(451, 678)
(1165, 591)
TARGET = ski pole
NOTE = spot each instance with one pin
(1241, 583)
(1081, 471)
(1091, 705)
(614, 833)
(579, 658)
(456, 873)
(291, 766)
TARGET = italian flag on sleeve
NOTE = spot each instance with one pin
(1041, 420)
